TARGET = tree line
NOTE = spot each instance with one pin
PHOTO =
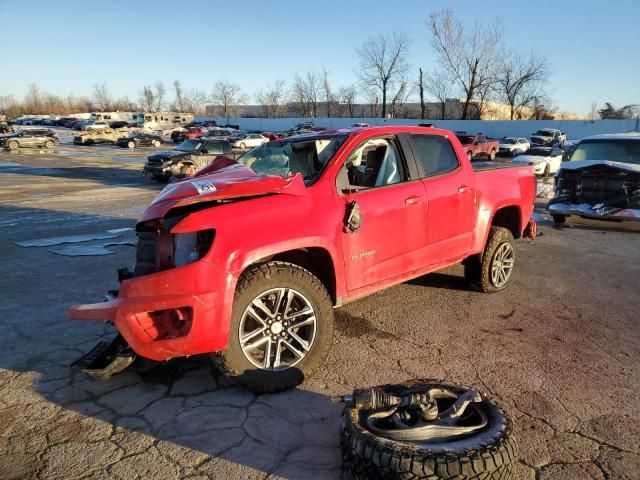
(473, 65)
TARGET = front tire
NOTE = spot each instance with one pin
(490, 271)
(559, 219)
(547, 171)
(281, 328)
(131, 144)
(470, 155)
(243, 146)
(492, 155)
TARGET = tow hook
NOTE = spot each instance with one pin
(428, 416)
(106, 359)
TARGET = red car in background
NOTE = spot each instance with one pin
(478, 144)
(249, 258)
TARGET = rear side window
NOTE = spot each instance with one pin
(435, 154)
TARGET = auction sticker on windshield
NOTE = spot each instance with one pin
(204, 186)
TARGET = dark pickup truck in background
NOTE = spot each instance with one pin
(188, 157)
(478, 144)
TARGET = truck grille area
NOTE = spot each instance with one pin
(610, 186)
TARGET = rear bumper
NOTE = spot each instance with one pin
(593, 211)
(199, 294)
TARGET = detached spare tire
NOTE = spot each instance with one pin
(429, 442)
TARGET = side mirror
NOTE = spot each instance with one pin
(204, 150)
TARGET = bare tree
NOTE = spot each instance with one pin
(469, 59)
(383, 60)
(178, 100)
(33, 100)
(397, 107)
(593, 111)
(305, 93)
(271, 99)
(520, 79)
(421, 90)
(346, 100)
(147, 98)
(326, 90)
(102, 98)
(372, 98)
(194, 101)
(227, 95)
(438, 85)
(160, 92)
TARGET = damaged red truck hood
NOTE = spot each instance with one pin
(234, 181)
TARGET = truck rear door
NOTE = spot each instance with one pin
(449, 184)
(387, 204)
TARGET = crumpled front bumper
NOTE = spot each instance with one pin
(197, 296)
(598, 211)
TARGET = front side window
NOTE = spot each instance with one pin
(189, 146)
(435, 154)
(307, 156)
(375, 163)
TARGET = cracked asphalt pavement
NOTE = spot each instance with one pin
(559, 349)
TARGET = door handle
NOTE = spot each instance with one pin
(463, 188)
(412, 200)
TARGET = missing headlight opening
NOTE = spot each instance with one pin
(158, 249)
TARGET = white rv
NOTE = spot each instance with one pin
(112, 116)
(163, 120)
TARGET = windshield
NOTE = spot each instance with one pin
(304, 155)
(465, 139)
(626, 151)
(509, 140)
(189, 146)
(544, 133)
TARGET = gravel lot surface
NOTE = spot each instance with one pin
(559, 349)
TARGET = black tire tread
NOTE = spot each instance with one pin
(372, 457)
(257, 274)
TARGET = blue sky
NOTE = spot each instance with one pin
(68, 46)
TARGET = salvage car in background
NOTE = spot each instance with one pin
(250, 140)
(214, 275)
(140, 139)
(188, 157)
(35, 137)
(478, 144)
(601, 180)
(545, 160)
(548, 137)
(514, 145)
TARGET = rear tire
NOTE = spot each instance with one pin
(481, 271)
(470, 155)
(49, 144)
(254, 285)
(489, 455)
(13, 145)
(559, 219)
(243, 146)
(131, 144)
(547, 171)
(492, 155)
(160, 178)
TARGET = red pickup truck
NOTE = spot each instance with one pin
(479, 144)
(249, 258)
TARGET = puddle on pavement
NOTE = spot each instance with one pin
(90, 250)
(83, 250)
